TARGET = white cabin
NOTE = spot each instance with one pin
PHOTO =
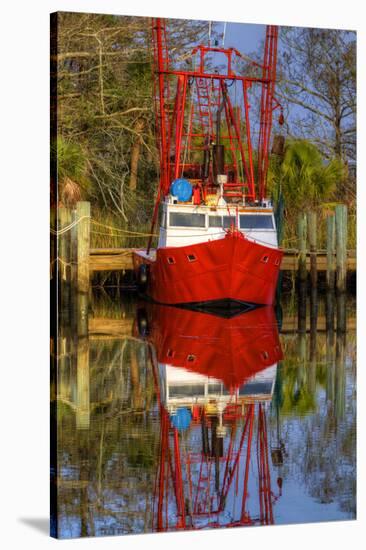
(185, 223)
(180, 387)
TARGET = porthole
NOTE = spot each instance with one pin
(170, 353)
(265, 355)
(265, 259)
(277, 261)
(191, 257)
(171, 260)
(191, 358)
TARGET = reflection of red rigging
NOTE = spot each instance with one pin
(179, 503)
(265, 493)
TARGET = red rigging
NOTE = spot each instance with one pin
(217, 231)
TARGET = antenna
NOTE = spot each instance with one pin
(223, 34)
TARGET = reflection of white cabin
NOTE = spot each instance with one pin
(180, 387)
(185, 223)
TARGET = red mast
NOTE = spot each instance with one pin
(160, 93)
(268, 104)
(189, 123)
(205, 129)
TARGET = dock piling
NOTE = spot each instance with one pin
(64, 258)
(301, 236)
(341, 246)
(83, 385)
(330, 252)
(341, 313)
(301, 308)
(312, 232)
(329, 311)
(83, 252)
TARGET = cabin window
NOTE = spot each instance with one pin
(180, 219)
(221, 221)
(213, 389)
(256, 221)
(215, 221)
(191, 257)
(256, 388)
(186, 390)
(171, 260)
(229, 221)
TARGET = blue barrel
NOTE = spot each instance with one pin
(181, 419)
(181, 189)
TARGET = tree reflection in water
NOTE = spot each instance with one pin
(109, 438)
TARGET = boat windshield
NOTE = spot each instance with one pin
(256, 221)
(257, 388)
(186, 390)
(180, 219)
(221, 221)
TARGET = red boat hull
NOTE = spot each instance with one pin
(230, 350)
(232, 268)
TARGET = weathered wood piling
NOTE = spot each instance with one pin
(341, 246)
(330, 252)
(329, 311)
(83, 275)
(64, 260)
(336, 257)
(301, 236)
(83, 384)
(312, 232)
(70, 263)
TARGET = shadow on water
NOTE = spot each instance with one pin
(158, 407)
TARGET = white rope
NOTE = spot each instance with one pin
(67, 227)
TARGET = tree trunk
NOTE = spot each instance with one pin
(135, 154)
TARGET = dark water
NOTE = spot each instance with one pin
(178, 420)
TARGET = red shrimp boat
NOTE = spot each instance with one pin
(217, 241)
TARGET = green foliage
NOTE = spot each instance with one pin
(113, 232)
(307, 182)
(305, 178)
(106, 111)
(139, 452)
(106, 118)
(71, 162)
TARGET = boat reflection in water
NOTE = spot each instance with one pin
(214, 379)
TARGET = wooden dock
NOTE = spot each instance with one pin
(107, 328)
(74, 261)
(120, 259)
